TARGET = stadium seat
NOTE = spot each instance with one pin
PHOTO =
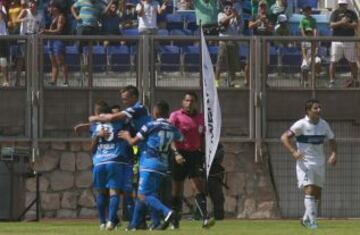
(169, 58)
(190, 21)
(191, 58)
(119, 57)
(291, 59)
(304, 3)
(181, 32)
(213, 51)
(99, 58)
(47, 62)
(72, 58)
(130, 32)
(174, 21)
(324, 29)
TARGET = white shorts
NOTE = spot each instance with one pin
(306, 65)
(340, 50)
(310, 174)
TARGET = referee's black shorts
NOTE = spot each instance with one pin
(192, 168)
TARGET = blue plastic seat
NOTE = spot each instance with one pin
(119, 57)
(174, 21)
(169, 58)
(47, 62)
(72, 58)
(304, 3)
(191, 57)
(291, 59)
(181, 32)
(190, 21)
(99, 58)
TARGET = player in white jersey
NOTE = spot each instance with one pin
(310, 133)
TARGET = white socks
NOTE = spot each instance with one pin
(311, 205)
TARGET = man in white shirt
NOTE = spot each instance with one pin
(147, 11)
(310, 133)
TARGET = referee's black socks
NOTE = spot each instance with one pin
(200, 201)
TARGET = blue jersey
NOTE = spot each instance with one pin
(158, 135)
(111, 149)
(137, 116)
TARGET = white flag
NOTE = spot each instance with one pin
(212, 111)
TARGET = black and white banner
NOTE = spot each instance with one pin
(212, 111)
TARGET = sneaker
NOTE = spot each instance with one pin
(102, 227)
(331, 84)
(208, 223)
(170, 217)
(66, 83)
(313, 225)
(305, 223)
(5, 84)
(112, 226)
(130, 229)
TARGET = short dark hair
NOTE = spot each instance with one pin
(131, 89)
(310, 103)
(116, 106)
(163, 108)
(191, 93)
(103, 106)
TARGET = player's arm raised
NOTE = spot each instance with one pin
(287, 142)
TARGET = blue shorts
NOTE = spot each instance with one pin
(149, 182)
(56, 47)
(113, 176)
(154, 162)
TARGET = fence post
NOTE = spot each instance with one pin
(257, 98)
(34, 76)
(145, 71)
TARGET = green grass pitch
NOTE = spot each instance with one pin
(227, 227)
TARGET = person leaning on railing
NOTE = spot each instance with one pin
(343, 21)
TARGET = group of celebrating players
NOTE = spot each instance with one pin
(162, 143)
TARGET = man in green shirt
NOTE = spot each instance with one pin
(206, 12)
(307, 22)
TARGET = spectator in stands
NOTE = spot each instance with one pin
(261, 24)
(88, 13)
(147, 11)
(282, 27)
(184, 5)
(228, 57)
(307, 50)
(111, 22)
(308, 23)
(343, 21)
(129, 16)
(278, 8)
(13, 12)
(57, 47)
(3, 47)
(255, 5)
(206, 12)
(32, 21)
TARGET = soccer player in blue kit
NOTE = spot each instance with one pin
(112, 160)
(159, 136)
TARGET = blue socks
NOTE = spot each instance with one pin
(129, 206)
(138, 214)
(113, 208)
(101, 201)
(155, 203)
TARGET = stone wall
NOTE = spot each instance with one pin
(66, 190)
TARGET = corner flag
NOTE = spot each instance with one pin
(212, 111)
